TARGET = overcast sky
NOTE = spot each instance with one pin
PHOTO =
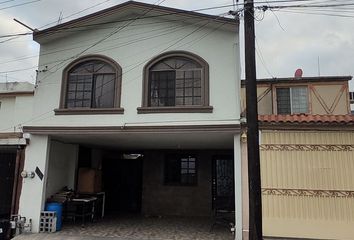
(285, 41)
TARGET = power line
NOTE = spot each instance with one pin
(319, 14)
(165, 49)
(190, 43)
(171, 30)
(161, 15)
(146, 60)
(15, 35)
(325, 14)
(106, 37)
(20, 4)
(308, 6)
(37, 118)
(6, 1)
(260, 56)
(76, 13)
(92, 45)
(56, 50)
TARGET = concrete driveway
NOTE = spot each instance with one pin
(139, 228)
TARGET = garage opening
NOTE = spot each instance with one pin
(143, 188)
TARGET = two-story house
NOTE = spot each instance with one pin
(149, 97)
(307, 157)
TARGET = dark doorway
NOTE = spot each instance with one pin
(122, 182)
(7, 175)
(223, 182)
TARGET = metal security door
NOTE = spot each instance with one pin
(223, 182)
(7, 174)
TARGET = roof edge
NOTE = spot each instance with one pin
(273, 119)
(302, 79)
(112, 9)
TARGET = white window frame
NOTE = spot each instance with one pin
(291, 99)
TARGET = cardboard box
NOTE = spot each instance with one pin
(89, 180)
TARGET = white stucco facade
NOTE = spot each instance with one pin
(218, 47)
(16, 102)
(32, 198)
(132, 46)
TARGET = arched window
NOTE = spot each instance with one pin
(176, 82)
(91, 83)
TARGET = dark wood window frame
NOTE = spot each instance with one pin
(191, 179)
(204, 107)
(63, 110)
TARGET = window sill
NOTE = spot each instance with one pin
(88, 111)
(179, 109)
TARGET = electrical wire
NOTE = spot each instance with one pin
(20, 4)
(309, 6)
(131, 41)
(260, 56)
(167, 14)
(319, 14)
(58, 50)
(76, 13)
(6, 1)
(105, 38)
(173, 43)
(37, 118)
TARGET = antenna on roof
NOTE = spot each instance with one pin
(318, 66)
(60, 17)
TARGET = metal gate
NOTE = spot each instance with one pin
(223, 182)
(308, 184)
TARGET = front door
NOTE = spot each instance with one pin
(7, 175)
(223, 182)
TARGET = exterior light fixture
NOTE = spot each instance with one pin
(26, 174)
(244, 137)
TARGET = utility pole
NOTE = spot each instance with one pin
(254, 175)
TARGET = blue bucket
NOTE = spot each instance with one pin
(58, 208)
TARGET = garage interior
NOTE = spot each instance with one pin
(147, 187)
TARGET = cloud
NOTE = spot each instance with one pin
(306, 37)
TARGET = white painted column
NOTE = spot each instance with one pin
(32, 198)
(238, 187)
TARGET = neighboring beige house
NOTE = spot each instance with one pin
(138, 80)
(15, 109)
(307, 157)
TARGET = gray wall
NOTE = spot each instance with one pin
(160, 199)
(61, 167)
